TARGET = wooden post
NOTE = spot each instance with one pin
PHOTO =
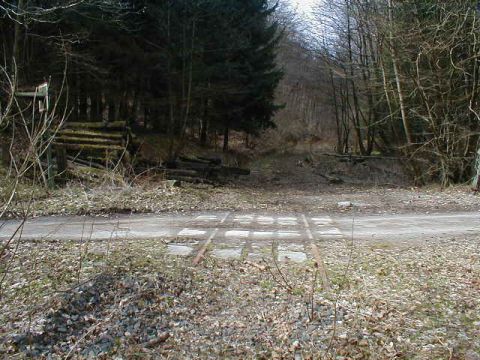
(62, 164)
(41, 93)
(50, 174)
(43, 90)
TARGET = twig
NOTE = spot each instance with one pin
(312, 295)
(320, 265)
(337, 298)
(282, 276)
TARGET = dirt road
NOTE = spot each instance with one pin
(249, 235)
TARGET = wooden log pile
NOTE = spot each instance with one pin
(94, 143)
(195, 170)
(98, 145)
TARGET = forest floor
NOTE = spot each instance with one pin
(130, 299)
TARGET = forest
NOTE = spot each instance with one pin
(381, 77)
(404, 79)
(176, 68)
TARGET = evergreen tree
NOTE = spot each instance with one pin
(181, 65)
(247, 75)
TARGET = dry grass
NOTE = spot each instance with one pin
(419, 302)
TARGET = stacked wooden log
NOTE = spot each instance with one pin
(94, 143)
(196, 170)
(99, 145)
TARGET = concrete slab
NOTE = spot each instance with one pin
(253, 234)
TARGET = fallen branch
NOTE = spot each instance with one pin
(332, 179)
(85, 163)
(157, 341)
(365, 157)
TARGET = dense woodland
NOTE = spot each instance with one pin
(181, 68)
(367, 76)
(404, 79)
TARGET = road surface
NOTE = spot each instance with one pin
(235, 235)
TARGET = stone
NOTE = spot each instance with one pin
(174, 183)
(472, 355)
(344, 204)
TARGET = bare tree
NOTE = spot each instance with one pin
(404, 67)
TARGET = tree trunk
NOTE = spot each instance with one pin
(226, 136)
(204, 132)
(111, 112)
(356, 106)
(17, 37)
(74, 93)
(204, 124)
(83, 102)
(401, 100)
(146, 112)
(62, 164)
(6, 158)
(96, 108)
(337, 116)
(476, 180)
